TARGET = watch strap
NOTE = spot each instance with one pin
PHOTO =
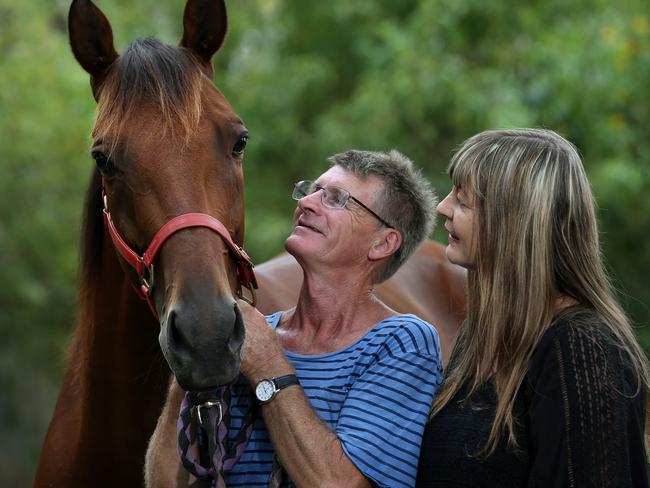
(284, 381)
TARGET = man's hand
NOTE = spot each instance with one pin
(310, 451)
(263, 356)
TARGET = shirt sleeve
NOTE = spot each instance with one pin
(586, 418)
(383, 416)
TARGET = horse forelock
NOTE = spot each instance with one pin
(150, 75)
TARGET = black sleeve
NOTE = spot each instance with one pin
(586, 417)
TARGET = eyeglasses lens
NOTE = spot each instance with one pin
(302, 189)
(333, 196)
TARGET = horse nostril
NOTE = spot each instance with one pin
(238, 332)
(176, 338)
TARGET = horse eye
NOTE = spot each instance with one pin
(104, 164)
(238, 150)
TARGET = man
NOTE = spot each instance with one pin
(344, 383)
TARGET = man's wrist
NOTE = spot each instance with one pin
(267, 389)
(276, 369)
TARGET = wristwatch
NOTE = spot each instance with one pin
(266, 389)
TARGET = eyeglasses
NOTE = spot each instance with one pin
(332, 197)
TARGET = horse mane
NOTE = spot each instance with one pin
(164, 78)
(89, 275)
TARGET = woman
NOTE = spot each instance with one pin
(546, 385)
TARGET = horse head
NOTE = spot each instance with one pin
(166, 143)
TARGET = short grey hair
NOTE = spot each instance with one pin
(407, 201)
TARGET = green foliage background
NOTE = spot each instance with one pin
(311, 79)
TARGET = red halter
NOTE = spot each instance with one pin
(143, 265)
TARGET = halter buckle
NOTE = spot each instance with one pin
(209, 404)
(253, 298)
(146, 277)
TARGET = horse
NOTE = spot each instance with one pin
(167, 145)
(164, 215)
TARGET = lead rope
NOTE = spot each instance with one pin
(213, 427)
(213, 418)
(277, 473)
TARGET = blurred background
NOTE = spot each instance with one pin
(311, 79)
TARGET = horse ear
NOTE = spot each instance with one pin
(204, 28)
(91, 40)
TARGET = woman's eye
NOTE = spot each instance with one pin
(238, 150)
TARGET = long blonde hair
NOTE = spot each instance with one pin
(536, 240)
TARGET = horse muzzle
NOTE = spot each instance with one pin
(203, 345)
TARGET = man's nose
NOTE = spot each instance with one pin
(312, 200)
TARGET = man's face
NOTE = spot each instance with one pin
(335, 236)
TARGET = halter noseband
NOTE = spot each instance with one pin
(143, 265)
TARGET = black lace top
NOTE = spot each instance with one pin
(580, 423)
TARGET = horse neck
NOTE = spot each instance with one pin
(116, 379)
(122, 372)
(114, 386)
(118, 336)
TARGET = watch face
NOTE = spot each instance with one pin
(265, 390)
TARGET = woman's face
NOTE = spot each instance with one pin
(458, 207)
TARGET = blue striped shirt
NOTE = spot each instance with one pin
(374, 394)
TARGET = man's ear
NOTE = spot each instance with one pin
(386, 243)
